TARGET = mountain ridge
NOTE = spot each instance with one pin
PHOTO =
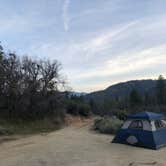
(124, 89)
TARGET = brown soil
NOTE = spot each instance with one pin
(76, 145)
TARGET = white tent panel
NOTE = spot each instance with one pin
(153, 126)
(126, 124)
(146, 125)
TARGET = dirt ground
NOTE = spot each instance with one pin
(76, 146)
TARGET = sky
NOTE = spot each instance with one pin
(98, 42)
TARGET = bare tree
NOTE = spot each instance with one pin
(29, 88)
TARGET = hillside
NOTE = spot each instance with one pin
(122, 90)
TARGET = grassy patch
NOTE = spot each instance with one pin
(30, 127)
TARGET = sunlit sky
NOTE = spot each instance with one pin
(98, 42)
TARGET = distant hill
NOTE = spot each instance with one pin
(121, 90)
(77, 94)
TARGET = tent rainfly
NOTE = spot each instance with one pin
(145, 129)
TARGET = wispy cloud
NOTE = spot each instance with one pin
(104, 40)
(127, 63)
(85, 49)
(108, 39)
(94, 60)
(29, 22)
(135, 65)
(65, 14)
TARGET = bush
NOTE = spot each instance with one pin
(29, 88)
(76, 108)
(107, 125)
(4, 131)
(121, 114)
(29, 127)
(72, 107)
(84, 110)
(97, 123)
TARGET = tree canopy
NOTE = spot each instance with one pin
(29, 88)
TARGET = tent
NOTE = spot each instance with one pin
(145, 129)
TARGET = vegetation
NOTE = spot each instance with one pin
(135, 98)
(29, 89)
(130, 97)
(161, 90)
(29, 127)
(107, 125)
(76, 105)
(30, 94)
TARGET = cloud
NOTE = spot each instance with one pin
(14, 23)
(98, 8)
(65, 14)
(105, 40)
(148, 63)
(91, 61)
(26, 23)
(127, 63)
(84, 50)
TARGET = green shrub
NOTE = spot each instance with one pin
(76, 108)
(72, 107)
(107, 125)
(121, 114)
(84, 110)
(97, 123)
(22, 127)
(5, 131)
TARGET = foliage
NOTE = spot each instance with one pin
(161, 90)
(130, 97)
(84, 109)
(29, 89)
(29, 127)
(76, 105)
(107, 125)
(5, 131)
(121, 114)
(135, 98)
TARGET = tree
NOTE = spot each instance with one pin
(1, 69)
(161, 90)
(30, 89)
(135, 98)
(76, 105)
(50, 75)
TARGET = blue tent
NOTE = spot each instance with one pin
(145, 129)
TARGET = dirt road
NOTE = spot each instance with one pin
(75, 146)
